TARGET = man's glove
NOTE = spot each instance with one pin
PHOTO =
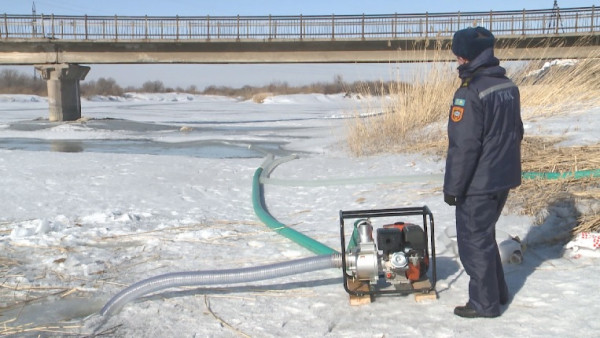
(450, 200)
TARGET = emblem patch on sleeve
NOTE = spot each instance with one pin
(456, 113)
(459, 102)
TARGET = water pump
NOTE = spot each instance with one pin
(398, 262)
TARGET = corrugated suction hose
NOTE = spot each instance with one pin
(214, 277)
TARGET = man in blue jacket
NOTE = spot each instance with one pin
(483, 163)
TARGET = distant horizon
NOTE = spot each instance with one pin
(238, 75)
(255, 75)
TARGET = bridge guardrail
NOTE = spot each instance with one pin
(252, 28)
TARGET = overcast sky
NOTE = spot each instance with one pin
(239, 75)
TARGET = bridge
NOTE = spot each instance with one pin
(57, 45)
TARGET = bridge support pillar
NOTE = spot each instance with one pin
(63, 89)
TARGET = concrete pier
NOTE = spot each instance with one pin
(63, 89)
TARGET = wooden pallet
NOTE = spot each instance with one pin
(355, 285)
(420, 296)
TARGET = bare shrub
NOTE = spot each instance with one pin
(153, 87)
(14, 82)
(338, 85)
(102, 86)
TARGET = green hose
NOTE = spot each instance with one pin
(321, 249)
(301, 239)
(555, 176)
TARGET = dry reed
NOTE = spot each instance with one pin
(261, 97)
(416, 110)
(588, 223)
(541, 154)
(224, 323)
(41, 330)
(6, 262)
(550, 88)
(534, 196)
(409, 108)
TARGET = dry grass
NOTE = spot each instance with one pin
(406, 120)
(224, 323)
(559, 89)
(261, 97)
(588, 223)
(534, 196)
(434, 147)
(541, 155)
(410, 107)
(40, 330)
(6, 262)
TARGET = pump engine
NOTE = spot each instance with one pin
(398, 259)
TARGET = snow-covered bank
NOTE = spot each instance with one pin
(78, 227)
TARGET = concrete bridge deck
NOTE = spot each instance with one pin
(42, 51)
(26, 39)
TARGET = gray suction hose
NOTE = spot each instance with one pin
(213, 277)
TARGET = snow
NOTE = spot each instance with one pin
(128, 193)
(550, 64)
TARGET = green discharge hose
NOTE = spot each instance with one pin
(321, 249)
(354, 237)
(301, 239)
(555, 176)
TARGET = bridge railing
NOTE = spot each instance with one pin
(238, 28)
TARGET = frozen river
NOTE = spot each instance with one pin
(170, 124)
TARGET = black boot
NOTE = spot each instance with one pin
(468, 312)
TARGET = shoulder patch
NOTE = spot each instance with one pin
(456, 113)
(459, 102)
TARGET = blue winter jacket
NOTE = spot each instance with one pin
(484, 130)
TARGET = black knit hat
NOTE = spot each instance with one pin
(470, 42)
